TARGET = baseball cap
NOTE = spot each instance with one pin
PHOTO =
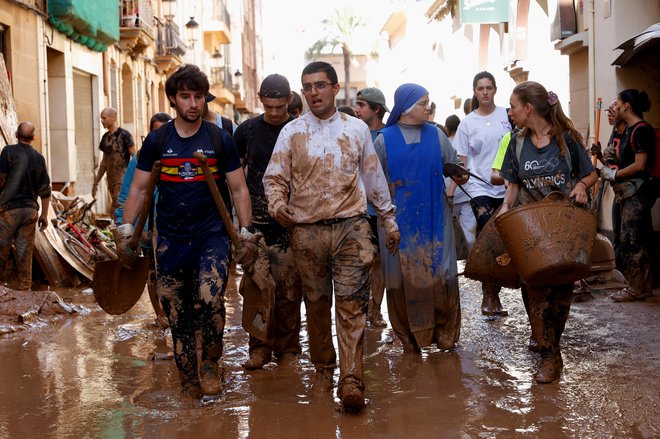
(275, 86)
(209, 97)
(373, 95)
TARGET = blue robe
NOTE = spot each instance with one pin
(425, 267)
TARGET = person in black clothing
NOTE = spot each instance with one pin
(23, 178)
(255, 139)
(118, 148)
(633, 196)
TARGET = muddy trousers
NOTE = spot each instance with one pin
(339, 257)
(192, 277)
(633, 239)
(548, 312)
(18, 226)
(377, 279)
(284, 334)
(284, 331)
(484, 207)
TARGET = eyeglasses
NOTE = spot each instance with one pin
(318, 86)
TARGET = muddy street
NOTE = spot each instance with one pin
(93, 375)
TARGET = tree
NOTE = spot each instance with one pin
(338, 31)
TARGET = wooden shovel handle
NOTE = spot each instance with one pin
(226, 218)
(146, 204)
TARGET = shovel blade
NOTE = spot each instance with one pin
(117, 289)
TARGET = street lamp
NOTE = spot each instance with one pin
(192, 24)
(217, 66)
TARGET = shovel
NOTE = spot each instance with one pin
(257, 284)
(117, 288)
(456, 171)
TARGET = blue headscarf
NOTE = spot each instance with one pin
(405, 97)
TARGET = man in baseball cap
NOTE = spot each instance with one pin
(255, 139)
(275, 87)
(370, 107)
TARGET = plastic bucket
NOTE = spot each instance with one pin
(489, 261)
(550, 242)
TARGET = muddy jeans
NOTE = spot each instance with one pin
(284, 335)
(484, 207)
(192, 277)
(633, 239)
(18, 226)
(335, 256)
(548, 312)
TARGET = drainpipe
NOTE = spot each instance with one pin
(590, 15)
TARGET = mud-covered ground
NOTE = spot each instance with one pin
(91, 375)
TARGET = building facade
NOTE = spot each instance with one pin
(66, 60)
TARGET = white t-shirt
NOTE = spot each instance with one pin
(478, 138)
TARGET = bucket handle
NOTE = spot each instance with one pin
(555, 196)
(558, 196)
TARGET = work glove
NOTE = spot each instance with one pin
(247, 251)
(608, 173)
(596, 149)
(123, 236)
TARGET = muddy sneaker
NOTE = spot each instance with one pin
(210, 378)
(626, 295)
(258, 359)
(533, 345)
(376, 319)
(549, 369)
(162, 322)
(190, 391)
(323, 381)
(351, 394)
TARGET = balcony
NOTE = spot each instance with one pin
(221, 84)
(136, 31)
(217, 30)
(169, 46)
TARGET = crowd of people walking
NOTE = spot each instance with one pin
(346, 209)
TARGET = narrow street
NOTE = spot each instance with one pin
(92, 376)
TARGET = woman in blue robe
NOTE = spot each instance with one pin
(421, 279)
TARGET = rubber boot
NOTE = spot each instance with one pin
(375, 316)
(258, 359)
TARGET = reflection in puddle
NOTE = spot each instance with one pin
(92, 376)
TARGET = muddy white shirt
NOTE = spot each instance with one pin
(327, 169)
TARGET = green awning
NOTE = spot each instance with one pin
(93, 23)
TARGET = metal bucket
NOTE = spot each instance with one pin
(550, 242)
(489, 261)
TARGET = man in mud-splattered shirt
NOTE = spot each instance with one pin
(322, 172)
(23, 178)
(117, 146)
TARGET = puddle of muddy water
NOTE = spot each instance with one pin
(91, 376)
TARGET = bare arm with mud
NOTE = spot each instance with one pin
(510, 197)
(240, 196)
(276, 182)
(99, 175)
